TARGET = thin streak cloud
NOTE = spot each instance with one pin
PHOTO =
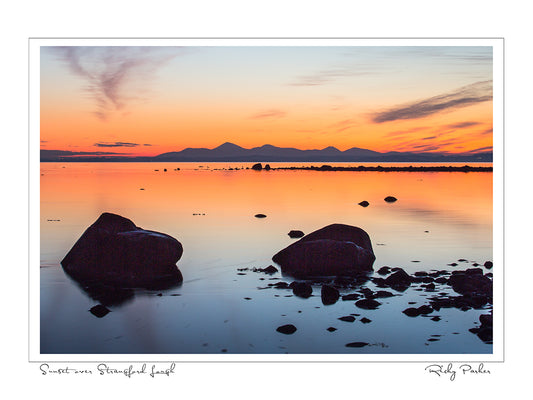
(465, 96)
(269, 114)
(116, 144)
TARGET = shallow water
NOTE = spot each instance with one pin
(439, 218)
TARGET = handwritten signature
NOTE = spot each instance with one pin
(104, 369)
(451, 372)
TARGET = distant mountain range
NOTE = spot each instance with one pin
(229, 152)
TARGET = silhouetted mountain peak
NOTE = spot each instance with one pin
(228, 146)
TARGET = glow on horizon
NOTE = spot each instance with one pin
(151, 100)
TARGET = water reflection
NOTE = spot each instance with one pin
(112, 294)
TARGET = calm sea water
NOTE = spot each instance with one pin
(438, 219)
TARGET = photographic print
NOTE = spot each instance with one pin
(335, 199)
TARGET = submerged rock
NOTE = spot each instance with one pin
(364, 203)
(336, 249)
(114, 250)
(390, 199)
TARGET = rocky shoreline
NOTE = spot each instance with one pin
(471, 290)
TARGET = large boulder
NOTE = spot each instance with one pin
(114, 250)
(335, 250)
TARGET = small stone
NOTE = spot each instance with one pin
(488, 264)
(347, 318)
(368, 304)
(364, 203)
(384, 270)
(365, 320)
(99, 311)
(301, 289)
(390, 199)
(351, 296)
(260, 216)
(294, 234)
(329, 295)
(357, 344)
(288, 329)
(331, 329)
(411, 312)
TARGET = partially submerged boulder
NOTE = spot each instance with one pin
(114, 250)
(335, 250)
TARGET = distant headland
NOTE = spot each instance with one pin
(229, 152)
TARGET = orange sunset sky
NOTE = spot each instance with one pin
(151, 100)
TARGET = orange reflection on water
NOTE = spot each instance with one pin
(211, 211)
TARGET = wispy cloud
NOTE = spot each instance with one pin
(481, 149)
(110, 73)
(461, 125)
(116, 144)
(406, 132)
(326, 76)
(269, 114)
(465, 96)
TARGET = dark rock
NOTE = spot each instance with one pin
(286, 329)
(260, 216)
(351, 296)
(452, 264)
(365, 320)
(465, 283)
(301, 289)
(368, 304)
(368, 293)
(425, 309)
(474, 271)
(331, 329)
(488, 264)
(411, 312)
(347, 318)
(399, 280)
(333, 250)
(99, 311)
(390, 199)
(380, 282)
(486, 320)
(114, 250)
(280, 285)
(429, 286)
(329, 295)
(364, 203)
(435, 318)
(384, 270)
(357, 344)
(268, 270)
(295, 234)
(421, 273)
(267, 167)
(257, 167)
(441, 280)
(380, 294)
